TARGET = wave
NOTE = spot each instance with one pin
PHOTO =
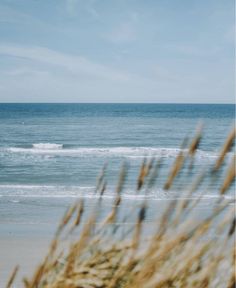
(130, 152)
(16, 192)
(44, 191)
(47, 146)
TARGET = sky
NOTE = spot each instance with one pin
(148, 51)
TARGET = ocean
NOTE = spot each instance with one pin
(51, 154)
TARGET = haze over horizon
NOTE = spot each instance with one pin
(128, 51)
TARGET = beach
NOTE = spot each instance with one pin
(51, 155)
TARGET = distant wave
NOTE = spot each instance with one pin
(44, 191)
(47, 146)
(16, 192)
(132, 152)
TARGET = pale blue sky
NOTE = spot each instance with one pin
(117, 51)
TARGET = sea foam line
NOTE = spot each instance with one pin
(132, 152)
(88, 192)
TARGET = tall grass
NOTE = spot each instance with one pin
(181, 250)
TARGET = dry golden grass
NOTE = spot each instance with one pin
(181, 251)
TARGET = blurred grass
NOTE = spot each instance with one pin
(180, 251)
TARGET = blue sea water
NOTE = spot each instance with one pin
(51, 154)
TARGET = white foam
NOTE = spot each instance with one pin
(47, 146)
(87, 192)
(130, 152)
(44, 191)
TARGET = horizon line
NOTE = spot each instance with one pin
(148, 103)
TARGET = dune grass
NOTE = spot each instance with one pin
(180, 251)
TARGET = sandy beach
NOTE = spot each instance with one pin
(25, 251)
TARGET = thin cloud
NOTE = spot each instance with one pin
(125, 31)
(71, 7)
(230, 34)
(74, 6)
(72, 64)
(9, 15)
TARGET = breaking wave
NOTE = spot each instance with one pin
(47, 146)
(16, 192)
(130, 152)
